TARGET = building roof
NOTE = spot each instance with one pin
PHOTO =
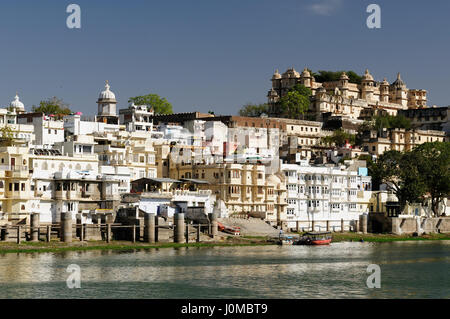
(155, 180)
(194, 181)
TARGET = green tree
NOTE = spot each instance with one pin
(433, 163)
(295, 103)
(6, 136)
(400, 173)
(390, 122)
(52, 105)
(303, 90)
(159, 105)
(327, 76)
(339, 138)
(254, 110)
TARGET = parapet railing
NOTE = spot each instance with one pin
(65, 232)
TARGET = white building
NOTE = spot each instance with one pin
(47, 130)
(324, 193)
(137, 118)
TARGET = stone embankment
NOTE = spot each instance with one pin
(251, 227)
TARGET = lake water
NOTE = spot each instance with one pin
(408, 270)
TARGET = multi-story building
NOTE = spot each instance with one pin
(399, 139)
(137, 118)
(343, 98)
(47, 130)
(324, 193)
(432, 118)
(15, 183)
(244, 188)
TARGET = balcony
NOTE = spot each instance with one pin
(71, 195)
(60, 194)
(16, 171)
(38, 192)
(85, 194)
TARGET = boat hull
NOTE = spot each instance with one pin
(321, 242)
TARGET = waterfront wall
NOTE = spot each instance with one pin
(379, 223)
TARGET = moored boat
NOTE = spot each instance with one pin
(315, 238)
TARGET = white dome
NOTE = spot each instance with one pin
(107, 94)
(16, 104)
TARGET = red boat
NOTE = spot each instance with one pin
(315, 238)
(234, 230)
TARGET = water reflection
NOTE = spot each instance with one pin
(415, 270)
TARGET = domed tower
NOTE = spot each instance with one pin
(306, 79)
(367, 86)
(384, 91)
(16, 105)
(399, 92)
(288, 80)
(273, 96)
(107, 106)
(276, 80)
(343, 84)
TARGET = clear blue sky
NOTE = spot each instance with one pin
(213, 55)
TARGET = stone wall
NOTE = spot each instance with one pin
(378, 223)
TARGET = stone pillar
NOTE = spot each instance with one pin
(19, 234)
(198, 234)
(328, 225)
(396, 226)
(149, 228)
(364, 221)
(187, 233)
(133, 234)
(34, 227)
(66, 227)
(156, 229)
(5, 233)
(418, 226)
(79, 226)
(178, 235)
(342, 225)
(108, 232)
(49, 233)
(356, 226)
(213, 221)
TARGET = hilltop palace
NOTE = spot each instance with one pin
(349, 100)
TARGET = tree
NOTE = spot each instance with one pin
(390, 122)
(254, 110)
(433, 163)
(53, 105)
(296, 102)
(327, 76)
(159, 105)
(339, 138)
(400, 173)
(303, 90)
(6, 136)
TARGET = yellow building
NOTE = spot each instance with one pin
(244, 188)
(15, 182)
